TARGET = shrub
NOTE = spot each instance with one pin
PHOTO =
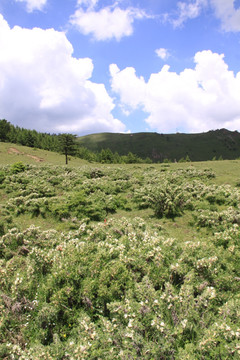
(2, 231)
(2, 177)
(18, 167)
(168, 200)
(120, 288)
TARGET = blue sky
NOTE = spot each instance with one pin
(86, 66)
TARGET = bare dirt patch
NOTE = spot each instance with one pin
(36, 158)
(13, 150)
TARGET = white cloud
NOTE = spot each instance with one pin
(162, 53)
(199, 99)
(107, 23)
(128, 85)
(34, 4)
(188, 10)
(90, 4)
(43, 87)
(228, 14)
(224, 10)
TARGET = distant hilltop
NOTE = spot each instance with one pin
(136, 147)
(213, 144)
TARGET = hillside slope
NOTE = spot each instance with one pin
(11, 153)
(199, 147)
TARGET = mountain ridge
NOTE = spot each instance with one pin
(159, 147)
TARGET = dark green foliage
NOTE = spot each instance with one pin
(105, 156)
(95, 173)
(86, 154)
(186, 159)
(2, 176)
(67, 145)
(132, 159)
(197, 147)
(168, 201)
(18, 167)
(95, 206)
(31, 138)
(2, 229)
(4, 129)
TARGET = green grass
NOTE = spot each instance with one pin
(11, 153)
(227, 171)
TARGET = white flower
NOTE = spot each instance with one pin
(130, 323)
(184, 323)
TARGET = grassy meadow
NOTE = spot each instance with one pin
(118, 261)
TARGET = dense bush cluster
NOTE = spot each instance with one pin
(93, 193)
(118, 287)
(64, 193)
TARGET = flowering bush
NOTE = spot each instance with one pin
(119, 287)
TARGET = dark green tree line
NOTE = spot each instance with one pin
(31, 138)
(63, 143)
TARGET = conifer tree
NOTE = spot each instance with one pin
(67, 145)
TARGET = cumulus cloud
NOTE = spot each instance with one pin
(229, 15)
(206, 97)
(110, 22)
(224, 10)
(34, 4)
(162, 53)
(43, 87)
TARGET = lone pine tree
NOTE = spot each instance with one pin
(67, 145)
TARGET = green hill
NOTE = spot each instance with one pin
(11, 153)
(199, 147)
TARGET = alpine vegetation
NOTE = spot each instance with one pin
(118, 262)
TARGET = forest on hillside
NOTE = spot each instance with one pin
(58, 143)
